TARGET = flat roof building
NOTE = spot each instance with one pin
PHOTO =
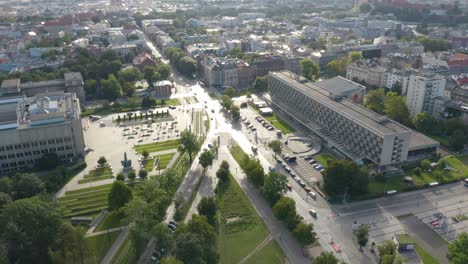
(33, 126)
(351, 129)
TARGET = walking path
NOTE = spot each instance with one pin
(115, 247)
(257, 249)
(105, 231)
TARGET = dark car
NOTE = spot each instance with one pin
(292, 159)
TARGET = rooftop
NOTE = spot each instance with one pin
(340, 85)
(375, 122)
(419, 141)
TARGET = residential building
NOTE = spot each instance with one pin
(369, 71)
(345, 127)
(143, 59)
(423, 88)
(162, 89)
(71, 83)
(400, 78)
(458, 63)
(33, 126)
(245, 76)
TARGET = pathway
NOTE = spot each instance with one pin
(115, 247)
(105, 231)
(257, 249)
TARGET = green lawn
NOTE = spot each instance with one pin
(85, 202)
(98, 246)
(238, 153)
(157, 146)
(97, 175)
(280, 124)
(238, 238)
(324, 159)
(125, 254)
(111, 220)
(125, 108)
(426, 258)
(270, 254)
(463, 159)
(163, 161)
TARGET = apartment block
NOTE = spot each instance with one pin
(423, 88)
(369, 71)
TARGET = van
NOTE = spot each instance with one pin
(312, 212)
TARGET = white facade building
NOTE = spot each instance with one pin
(422, 90)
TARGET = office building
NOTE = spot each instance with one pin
(345, 127)
(423, 88)
(33, 126)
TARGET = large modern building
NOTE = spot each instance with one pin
(423, 88)
(346, 127)
(33, 126)
(72, 82)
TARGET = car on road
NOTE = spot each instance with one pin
(140, 140)
(312, 194)
(212, 110)
(289, 187)
(279, 161)
(130, 137)
(270, 128)
(301, 183)
(254, 149)
(291, 159)
(297, 179)
(156, 138)
(253, 129)
(287, 169)
(312, 212)
(308, 158)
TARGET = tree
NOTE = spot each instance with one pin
(354, 56)
(148, 73)
(362, 235)
(254, 171)
(145, 154)
(425, 164)
(223, 172)
(164, 71)
(5, 199)
(365, 8)
(395, 108)
(120, 176)
(29, 227)
(48, 161)
(423, 122)
(387, 252)
(102, 160)
(285, 210)
(207, 207)
(345, 175)
(130, 75)
(111, 88)
(310, 70)
(235, 113)
(188, 143)
(148, 102)
(25, 185)
(226, 102)
(187, 66)
(304, 233)
(274, 186)
(229, 92)
(260, 85)
(6, 185)
(132, 175)
(326, 258)
(275, 146)
(457, 250)
(142, 174)
(375, 100)
(171, 260)
(162, 237)
(248, 94)
(120, 194)
(457, 140)
(206, 159)
(337, 67)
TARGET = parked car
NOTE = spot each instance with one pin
(289, 187)
(465, 182)
(312, 212)
(301, 183)
(312, 161)
(312, 194)
(173, 222)
(307, 189)
(297, 179)
(253, 129)
(171, 226)
(287, 169)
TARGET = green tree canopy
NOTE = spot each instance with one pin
(29, 227)
(354, 56)
(275, 146)
(207, 207)
(458, 250)
(111, 88)
(423, 122)
(223, 172)
(337, 67)
(187, 66)
(229, 92)
(235, 112)
(395, 108)
(188, 143)
(260, 85)
(285, 210)
(119, 195)
(304, 233)
(274, 186)
(375, 100)
(206, 158)
(326, 258)
(310, 70)
(26, 185)
(362, 235)
(342, 175)
(254, 171)
(130, 75)
(226, 102)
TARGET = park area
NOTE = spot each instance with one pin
(157, 146)
(164, 160)
(85, 202)
(241, 230)
(98, 246)
(98, 174)
(455, 170)
(280, 124)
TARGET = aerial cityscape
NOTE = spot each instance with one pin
(234, 132)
